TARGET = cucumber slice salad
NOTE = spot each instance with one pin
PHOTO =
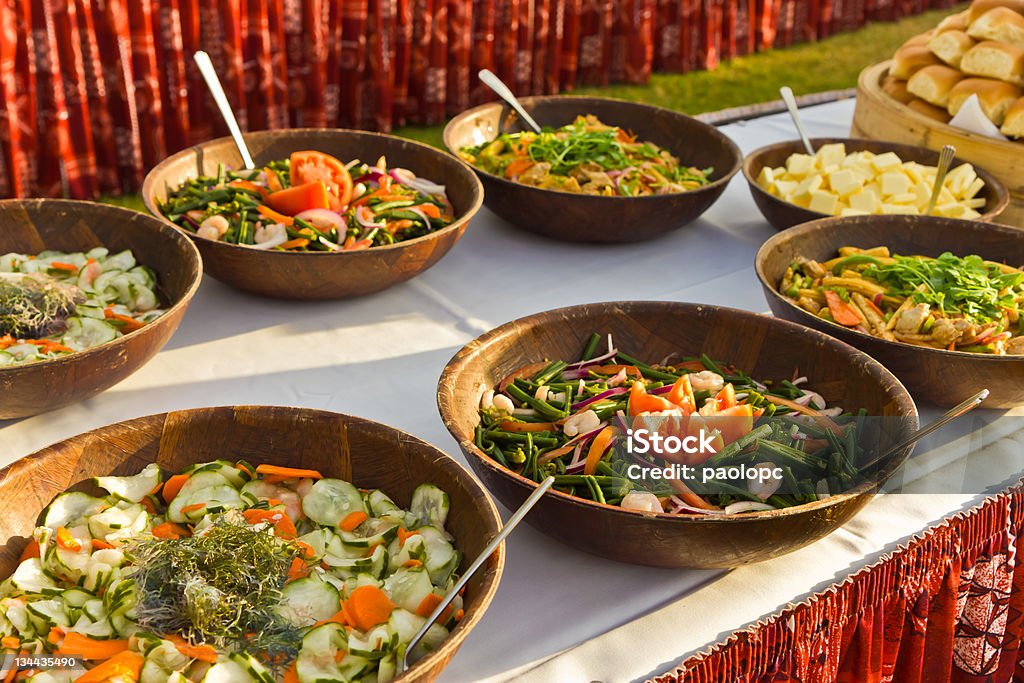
(229, 573)
(56, 303)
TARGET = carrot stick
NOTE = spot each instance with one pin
(689, 497)
(204, 653)
(91, 648)
(429, 604)
(130, 324)
(291, 675)
(404, 534)
(368, 606)
(58, 265)
(597, 448)
(31, 550)
(127, 665)
(296, 243)
(11, 642)
(288, 472)
(298, 570)
(413, 563)
(352, 520)
(66, 541)
(173, 486)
(170, 530)
(614, 369)
(339, 617)
(823, 420)
(513, 426)
(269, 213)
(193, 507)
(277, 518)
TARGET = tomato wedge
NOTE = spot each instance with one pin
(310, 166)
(297, 198)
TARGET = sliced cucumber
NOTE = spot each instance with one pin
(30, 577)
(253, 667)
(316, 662)
(52, 611)
(404, 624)
(228, 671)
(430, 504)
(6, 359)
(370, 533)
(52, 677)
(430, 641)
(235, 476)
(307, 601)
(408, 587)
(70, 507)
(380, 503)
(124, 260)
(193, 490)
(121, 521)
(85, 333)
(441, 557)
(400, 554)
(76, 597)
(330, 501)
(133, 488)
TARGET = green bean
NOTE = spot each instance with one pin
(521, 437)
(588, 350)
(542, 407)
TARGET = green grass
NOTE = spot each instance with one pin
(829, 64)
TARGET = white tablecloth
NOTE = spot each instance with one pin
(380, 357)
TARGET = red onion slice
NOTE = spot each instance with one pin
(323, 220)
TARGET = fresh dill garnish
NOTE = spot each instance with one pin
(33, 305)
(221, 587)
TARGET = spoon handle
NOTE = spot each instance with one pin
(209, 75)
(494, 83)
(945, 161)
(790, 100)
(511, 524)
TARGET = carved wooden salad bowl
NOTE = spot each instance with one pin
(763, 346)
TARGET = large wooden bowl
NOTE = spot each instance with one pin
(879, 117)
(322, 275)
(587, 218)
(942, 378)
(766, 347)
(369, 454)
(33, 225)
(782, 214)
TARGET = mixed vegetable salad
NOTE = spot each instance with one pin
(228, 573)
(310, 202)
(586, 157)
(953, 303)
(572, 420)
(56, 303)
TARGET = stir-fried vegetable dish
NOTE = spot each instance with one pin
(586, 157)
(949, 302)
(310, 202)
(55, 303)
(228, 573)
(572, 420)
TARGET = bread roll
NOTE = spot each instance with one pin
(896, 89)
(995, 60)
(910, 58)
(933, 83)
(929, 110)
(1000, 24)
(979, 7)
(954, 22)
(950, 46)
(1013, 126)
(995, 97)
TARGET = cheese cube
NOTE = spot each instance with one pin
(766, 178)
(785, 188)
(950, 210)
(831, 155)
(905, 198)
(807, 186)
(913, 171)
(852, 212)
(865, 201)
(898, 209)
(885, 162)
(970, 214)
(799, 165)
(844, 182)
(976, 203)
(894, 183)
(974, 188)
(823, 202)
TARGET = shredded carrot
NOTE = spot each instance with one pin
(513, 426)
(459, 614)
(404, 534)
(823, 420)
(6, 341)
(194, 507)
(413, 563)
(288, 472)
(170, 530)
(614, 369)
(100, 544)
(306, 548)
(298, 570)
(66, 541)
(204, 653)
(339, 617)
(129, 324)
(518, 167)
(173, 486)
(148, 503)
(552, 454)
(245, 467)
(49, 346)
(31, 550)
(597, 448)
(91, 649)
(126, 665)
(58, 265)
(352, 520)
(688, 496)
(296, 243)
(340, 655)
(11, 642)
(55, 635)
(281, 522)
(368, 606)
(429, 604)
(291, 675)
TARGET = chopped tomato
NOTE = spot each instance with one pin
(310, 166)
(732, 422)
(642, 402)
(682, 395)
(299, 198)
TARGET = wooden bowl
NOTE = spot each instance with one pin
(878, 116)
(34, 225)
(766, 347)
(369, 454)
(322, 275)
(782, 214)
(588, 218)
(942, 378)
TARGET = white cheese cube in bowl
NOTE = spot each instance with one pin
(831, 155)
(824, 202)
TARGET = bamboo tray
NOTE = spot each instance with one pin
(879, 117)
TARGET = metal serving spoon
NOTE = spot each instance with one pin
(498, 86)
(945, 161)
(947, 417)
(220, 98)
(511, 524)
(790, 100)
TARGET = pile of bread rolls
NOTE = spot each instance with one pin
(979, 51)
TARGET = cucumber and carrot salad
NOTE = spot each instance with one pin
(574, 419)
(229, 573)
(310, 201)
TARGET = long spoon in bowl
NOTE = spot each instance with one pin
(220, 98)
(498, 86)
(511, 524)
(790, 100)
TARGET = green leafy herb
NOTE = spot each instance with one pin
(33, 305)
